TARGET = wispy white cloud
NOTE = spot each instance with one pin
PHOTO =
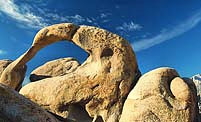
(105, 15)
(2, 52)
(168, 34)
(75, 19)
(21, 14)
(127, 28)
(25, 15)
(131, 26)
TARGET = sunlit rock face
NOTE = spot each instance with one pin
(100, 89)
(16, 108)
(161, 95)
(14, 73)
(54, 68)
(100, 85)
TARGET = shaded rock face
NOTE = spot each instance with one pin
(3, 65)
(54, 68)
(16, 74)
(100, 85)
(161, 95)
(16, 108)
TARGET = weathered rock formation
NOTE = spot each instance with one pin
(55, 68)
(3, 65)
(161, 96)
(100, 84)
(96, 89)
(16, 108)
(17, 73)
(44, 37)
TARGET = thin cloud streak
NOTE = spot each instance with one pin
(127, 28)
(27, 18)
(21, 15)
(131, 26)
(168, 34)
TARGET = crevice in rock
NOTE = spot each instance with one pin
(34, 77)
(99, 119)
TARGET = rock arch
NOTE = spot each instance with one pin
(100, 84)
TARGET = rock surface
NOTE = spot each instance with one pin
(54, 68)
(16, 108)
(100, 84)
(3, 65)
(98, 88)
(159, 96)
(46, 36)
(18, 73)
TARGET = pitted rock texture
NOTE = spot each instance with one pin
(100, 84)
(16, 108)
(54, 68)
(160, 96)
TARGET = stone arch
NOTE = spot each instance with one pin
(101, 83)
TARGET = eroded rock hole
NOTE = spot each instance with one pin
(107, 52)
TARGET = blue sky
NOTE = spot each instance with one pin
(161, 32)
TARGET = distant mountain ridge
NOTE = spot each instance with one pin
(197, 77)
(197, 80)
